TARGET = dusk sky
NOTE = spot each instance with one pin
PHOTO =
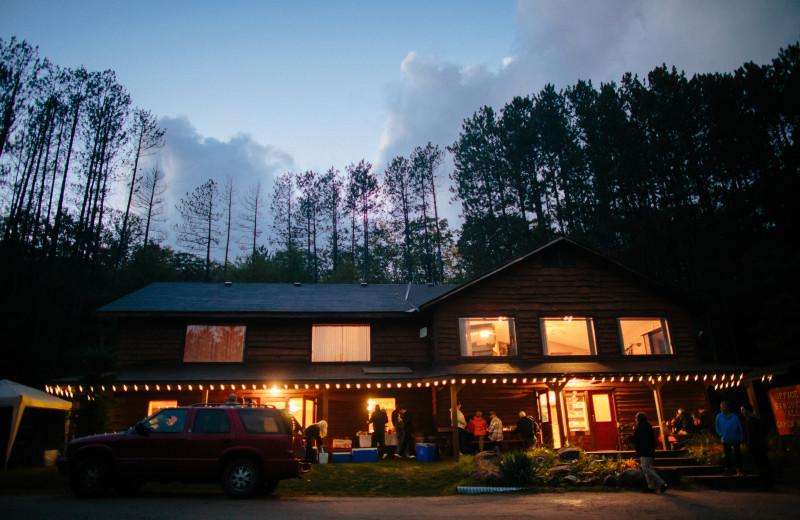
(256, 88)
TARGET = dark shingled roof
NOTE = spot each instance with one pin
(268, 298)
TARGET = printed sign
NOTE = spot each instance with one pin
(786, 405)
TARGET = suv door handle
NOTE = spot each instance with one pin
(227, 440)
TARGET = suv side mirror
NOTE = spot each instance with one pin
(141, 429)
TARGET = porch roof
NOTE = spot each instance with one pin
(277, 374)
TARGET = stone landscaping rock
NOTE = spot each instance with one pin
(610, 481)
(570, 480)
(631, 477)
(559, 471)
(568, 454)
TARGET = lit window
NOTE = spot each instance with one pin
(154, 406)
(487, 336)
(644, 336)
(214, 344)
(568, 336)
(340, 343)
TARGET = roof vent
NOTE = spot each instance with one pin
(429, 284)
(228, 284)
(297, 284)
(363, 284)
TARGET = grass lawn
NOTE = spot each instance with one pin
(388, 478)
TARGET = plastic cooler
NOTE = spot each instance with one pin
(365, 454)
(426, 452)
(340, 456)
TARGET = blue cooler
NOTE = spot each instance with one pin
(426, 452)
(338, 456)
(365, 454)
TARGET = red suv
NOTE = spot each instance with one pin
(247, 447)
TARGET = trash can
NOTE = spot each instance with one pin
(426, 451)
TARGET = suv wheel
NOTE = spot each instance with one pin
(91, 477)
(241, 478)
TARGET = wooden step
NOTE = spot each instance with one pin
(723, 482)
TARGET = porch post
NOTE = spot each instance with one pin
(562, 423)
(656, 387)
(751, 395)
(325, 404)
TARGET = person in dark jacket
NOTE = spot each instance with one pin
(755, 438)
(399, 429)
(314, 435)
(645, 440)
(406, 449)
(683, 423)
(525, 430)
(379, 420)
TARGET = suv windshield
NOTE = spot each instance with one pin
(167, 421)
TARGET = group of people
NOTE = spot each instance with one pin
(685, 424)
(489, 435)
(403, 422)
(730, 429)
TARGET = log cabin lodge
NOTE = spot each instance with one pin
(569, 336)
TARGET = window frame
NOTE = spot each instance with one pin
(368, 346)
(230, 326)
(590, 331)
(664, 327)
(463, 323)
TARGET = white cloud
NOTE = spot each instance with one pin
(188, 160)
(563, 41)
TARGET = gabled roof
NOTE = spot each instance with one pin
(561, 241)
(274, 298)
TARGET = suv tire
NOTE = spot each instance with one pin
(91, 477)
(241, 478)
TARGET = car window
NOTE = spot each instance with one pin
(167, 421)
(211, 421)
(258, 420)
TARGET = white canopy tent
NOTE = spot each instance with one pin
(18, 397)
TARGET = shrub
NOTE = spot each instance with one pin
(705, 447)
(518, 468)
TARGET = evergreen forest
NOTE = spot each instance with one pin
(689, 180)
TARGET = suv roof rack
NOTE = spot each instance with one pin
(238, 405)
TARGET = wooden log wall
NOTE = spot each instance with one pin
(587, 287)
(161, 340)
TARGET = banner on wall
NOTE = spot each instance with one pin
(786, 406)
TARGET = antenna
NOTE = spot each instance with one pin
(408, 291)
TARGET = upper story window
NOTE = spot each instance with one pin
(644, 336)
(487, 336)
(340, 343)
(568, 336)
(214, 344)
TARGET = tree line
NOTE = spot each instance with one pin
(689, 180)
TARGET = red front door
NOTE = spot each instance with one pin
(604, 420)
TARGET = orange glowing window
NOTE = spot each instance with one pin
(214, 344)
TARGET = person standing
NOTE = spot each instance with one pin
(755, 438)
(729, 428)
(525, 430)
(407, 446)
(379, 420)
(461, 424)
(495, 430)
(645, 440)
(478, 427)
(399, 429)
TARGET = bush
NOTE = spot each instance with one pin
(518, 469)
(705, 447)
